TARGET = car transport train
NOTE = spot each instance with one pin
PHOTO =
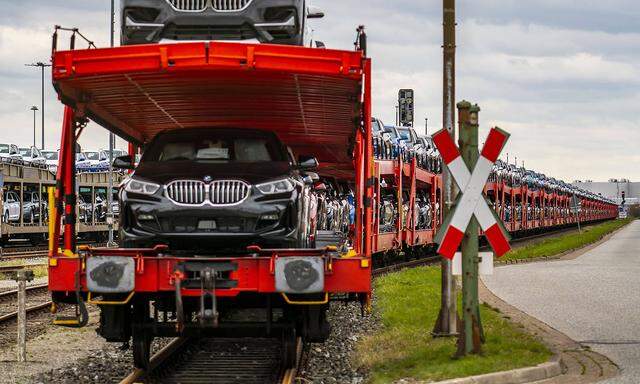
(265, 190)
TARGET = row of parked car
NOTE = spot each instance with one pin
(392, 142)
(86, 161)
(33, 207)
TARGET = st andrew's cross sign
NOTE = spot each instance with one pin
(471, 201)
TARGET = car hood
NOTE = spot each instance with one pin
(252, 173)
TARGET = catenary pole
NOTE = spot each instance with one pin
(111, 145)
(446, 325)
(42, 67)
(42, 102)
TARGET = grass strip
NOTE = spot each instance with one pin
(564, 243)
(408, 303)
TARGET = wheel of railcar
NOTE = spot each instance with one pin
(289, 355)
(141, 349)
(141, 337)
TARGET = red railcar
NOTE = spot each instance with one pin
(318, 101)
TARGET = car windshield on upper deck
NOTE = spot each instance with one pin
(404, 132)
(4, 148)
(50, 155)
(220, 146)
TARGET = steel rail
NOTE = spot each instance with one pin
(13, 268)
(35, 308)
(12, 292)
(289, 375)
(156, 360)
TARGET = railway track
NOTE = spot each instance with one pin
(14, 268)
(251, 360)
(23, 255)
(32, 252)
(241, 361)
(34, 302)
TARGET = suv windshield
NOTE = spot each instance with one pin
(405, 134)
(4, 148)
(25, 152)
(392, 132)
(91, 155)
(51, 155)
(220, 146)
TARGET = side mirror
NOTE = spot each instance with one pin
(314, 12)
(123, 162)
(307, 163)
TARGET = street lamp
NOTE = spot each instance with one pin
(34, 109)
(42, 67)
(112, 141)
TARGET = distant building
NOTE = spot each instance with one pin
(613, 189)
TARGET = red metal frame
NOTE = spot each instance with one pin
(316, 100)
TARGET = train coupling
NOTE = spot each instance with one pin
(208, 307)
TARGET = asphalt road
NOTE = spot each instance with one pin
(594, 299)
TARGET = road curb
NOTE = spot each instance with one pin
(542, 371)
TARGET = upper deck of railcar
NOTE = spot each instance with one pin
(311, 98)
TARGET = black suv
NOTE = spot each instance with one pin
(264, 21)
(216, 189)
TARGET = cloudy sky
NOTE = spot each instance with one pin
(562, 76)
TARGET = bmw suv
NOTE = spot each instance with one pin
(264, 21)
(216, 188)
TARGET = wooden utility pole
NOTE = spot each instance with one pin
(446, 323)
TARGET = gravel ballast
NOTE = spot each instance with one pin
(334, 361)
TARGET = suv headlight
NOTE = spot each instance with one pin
(143, 187)
(273, 187)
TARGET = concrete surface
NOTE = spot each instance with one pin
(594, 299)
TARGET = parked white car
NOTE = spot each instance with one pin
(10, 207)
(32, 156)
(10, 153)
(51, 159)
(92, 159)
(103, 164)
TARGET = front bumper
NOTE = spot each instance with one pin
(206, 227)
(257, 21)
